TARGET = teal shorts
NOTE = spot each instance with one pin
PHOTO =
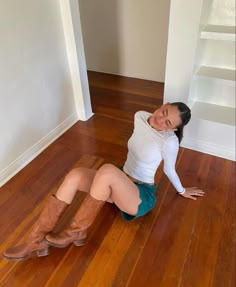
(148, 197)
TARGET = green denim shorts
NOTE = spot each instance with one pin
(148, 197)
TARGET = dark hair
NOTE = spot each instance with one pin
(185, 115)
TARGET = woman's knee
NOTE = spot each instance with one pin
(74, 176)
(107, 172)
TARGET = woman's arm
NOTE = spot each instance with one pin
(169, 155)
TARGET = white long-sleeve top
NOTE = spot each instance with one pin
(147, 148)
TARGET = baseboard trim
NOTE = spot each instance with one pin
(208, 148)
(125, 76)
(14, 167)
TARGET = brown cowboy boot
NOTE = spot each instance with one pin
(77, 230)
(35, 242)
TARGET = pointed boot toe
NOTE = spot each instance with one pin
(25, 250)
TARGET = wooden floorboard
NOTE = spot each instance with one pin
(180, 243)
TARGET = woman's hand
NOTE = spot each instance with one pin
(191, 192)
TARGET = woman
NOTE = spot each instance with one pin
(156, 137)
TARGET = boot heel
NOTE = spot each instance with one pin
(79, 242)
(42, 252)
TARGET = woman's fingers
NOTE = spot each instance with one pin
(193, 192)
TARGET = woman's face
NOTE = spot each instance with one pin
(165, 118)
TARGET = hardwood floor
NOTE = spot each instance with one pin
(180, 243)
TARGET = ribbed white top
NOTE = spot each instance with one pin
(147, 148)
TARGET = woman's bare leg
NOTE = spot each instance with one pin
(77, 179)
(111, 183)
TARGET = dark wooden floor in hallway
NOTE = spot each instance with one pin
(180, 243)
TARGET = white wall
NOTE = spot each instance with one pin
(183, 35)
(212, 127)
(222, 13)
(127, 38)
(182, 42)
(36, 96)
(75, 51)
